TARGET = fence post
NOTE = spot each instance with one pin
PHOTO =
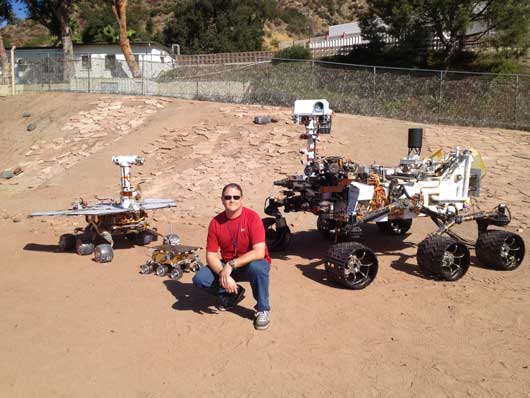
(49, 72)
(88, 71)
(142, 80)
(515, 106)
(374, 94)
(312, 74)
(13, 78)
(197, 81)
(440, 97)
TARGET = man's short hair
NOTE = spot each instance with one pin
(232, 185)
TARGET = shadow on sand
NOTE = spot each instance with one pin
(311, 245)
(191, 298)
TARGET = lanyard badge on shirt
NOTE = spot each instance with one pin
(234, 240)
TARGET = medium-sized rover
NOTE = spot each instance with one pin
(344, 195)
(107, 220)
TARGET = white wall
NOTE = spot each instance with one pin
(345, 28)
(32, 64)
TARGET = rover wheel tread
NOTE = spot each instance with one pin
(501, 250)
(278, 239)
(351, 264)
(443, 257)
(67, 242)
(176, 273)
(143, 238)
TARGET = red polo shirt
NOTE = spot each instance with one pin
(236, 236)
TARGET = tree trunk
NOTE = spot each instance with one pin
(63, 13)
(119, 8)
(4, 61)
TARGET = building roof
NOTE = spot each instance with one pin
(78, 45)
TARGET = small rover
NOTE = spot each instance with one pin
(172, 259)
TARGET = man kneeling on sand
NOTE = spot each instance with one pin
(239, 235)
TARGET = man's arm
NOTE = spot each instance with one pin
(225, 280)
(214, 262)
(257, 253)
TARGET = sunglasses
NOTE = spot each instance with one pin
(230, 197)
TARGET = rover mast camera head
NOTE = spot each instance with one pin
(128, 161)
(310, 109)
(316, 110)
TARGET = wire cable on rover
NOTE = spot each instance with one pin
(344, 195)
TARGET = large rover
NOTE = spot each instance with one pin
(109, 219)
(344, 195)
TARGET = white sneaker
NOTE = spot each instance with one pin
(262, 320)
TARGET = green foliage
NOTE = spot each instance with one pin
(451, 23)
(297, 23)
(384, 56)
(113, 35)
(97, 16)
(99, 24)
(46, 13)
(496, 63)
(213, 26)
(405, 58)
(295, 52)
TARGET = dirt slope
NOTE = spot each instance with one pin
(72, 327)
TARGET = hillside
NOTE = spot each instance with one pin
(295, 19)
(27, 33)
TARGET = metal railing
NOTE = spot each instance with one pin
(433, 96)
(225, 58)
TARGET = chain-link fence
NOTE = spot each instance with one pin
(410, 94)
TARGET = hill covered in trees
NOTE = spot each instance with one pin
(268, 22)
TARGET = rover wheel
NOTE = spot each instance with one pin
(103, 253)
(395, 227)
(176, 273)
(323, 227)
(278, 239)
(502, 250)
(66, 242)
(143, 238)
(443, 257)
(351, 264)
(197, 265)
(161, 270)
(84, 246)
(147, 268)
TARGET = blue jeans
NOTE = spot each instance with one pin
(256, 272)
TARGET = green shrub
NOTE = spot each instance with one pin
(496, 63)
(295, 52)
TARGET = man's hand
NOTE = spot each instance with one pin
(226, 281)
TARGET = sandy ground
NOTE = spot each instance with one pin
(70, 327)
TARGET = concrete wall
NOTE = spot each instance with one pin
(5, 90)
(226, 90)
